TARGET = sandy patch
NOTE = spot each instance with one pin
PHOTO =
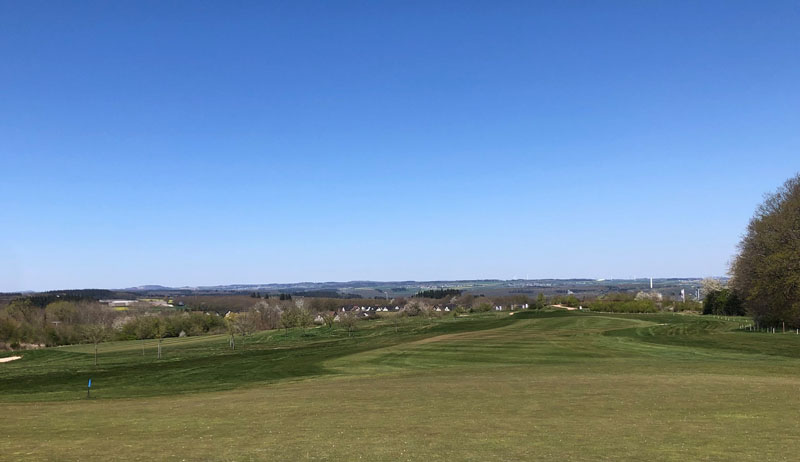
(568, 308)
(10, 358)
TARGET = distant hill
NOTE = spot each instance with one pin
(147, 287)
(391, 289)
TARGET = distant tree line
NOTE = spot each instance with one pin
(61, 322)
(43, 299)
(438, 293)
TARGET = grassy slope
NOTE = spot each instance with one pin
(548, 386)
(206, 363)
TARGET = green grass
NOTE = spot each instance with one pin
(536, 385)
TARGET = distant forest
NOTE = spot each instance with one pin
(438, 293)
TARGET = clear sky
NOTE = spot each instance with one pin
(198, 143)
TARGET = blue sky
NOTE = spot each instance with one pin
(195, 143)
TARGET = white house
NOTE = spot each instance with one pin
(118, 303)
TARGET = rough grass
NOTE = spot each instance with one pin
(534, 386)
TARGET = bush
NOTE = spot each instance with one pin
(190, 323)
(566, 300)
(723, 302)
(481, 308)
(688, 305)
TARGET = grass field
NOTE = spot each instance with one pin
(533, 386)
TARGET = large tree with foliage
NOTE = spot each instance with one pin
(766, 273)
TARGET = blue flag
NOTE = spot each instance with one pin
(90, 383)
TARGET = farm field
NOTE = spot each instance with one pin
(548, 385)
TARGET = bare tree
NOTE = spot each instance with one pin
(230, 324)
(98, 325)
(161, 332)
(328, 318)
(465, 300)
(244, 324)
(95, 333)
(348, 320)
(266, 315)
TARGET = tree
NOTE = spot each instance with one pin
(540, 302)
(290, 317)
(413, 308)
(143, 330)
(160, 331)
(230, 324)
(9, 330)
(61, 311)
(328, 318)
(244, 323)
(766, 272)
(98, 325)
(304, 318)
(265, 315)
(29, 319)
(465, 301)
(95, 333)
(417, 307)
(709, 285)
(348, 320)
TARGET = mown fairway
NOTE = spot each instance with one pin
(534, 386)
